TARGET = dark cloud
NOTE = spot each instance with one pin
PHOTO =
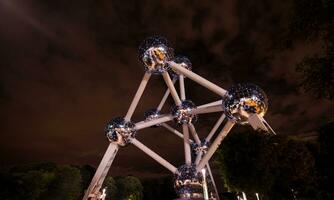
(67, 68)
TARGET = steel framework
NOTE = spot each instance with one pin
(248, 107)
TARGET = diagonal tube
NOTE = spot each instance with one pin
(171, 88)
(214, 146)
(209, 109)
(164, 98)
(145, 124)
(194, 133)
(101, 172)
(154, 155)
(200, 80)
(215, 103)
(137, 96)
(176, 132)
(215, 127)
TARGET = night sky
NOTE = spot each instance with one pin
(68, 67)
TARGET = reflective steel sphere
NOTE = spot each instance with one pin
(184, 62)
(155, 53)
(203, 147)
(152, 114)
(188, 182)
(242, 100)
(120, 131)
(183, 113)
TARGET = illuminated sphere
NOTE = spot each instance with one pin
(119, 131)
(184, 62)
(152, 114)
(183, 113)
(154, 54)
(203, 147)
(188, 182)
(242, 100)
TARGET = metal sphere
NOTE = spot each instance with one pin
(203, 147)
(155, 53)
(183, 113)
(184, 62)
(119, 131)
(152, 114)
(242, 100)
(188, 182)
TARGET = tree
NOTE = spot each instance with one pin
(129, 188)
(111, 188)
(68, 184)
(324, 164)
(271, 165)
(314, 20)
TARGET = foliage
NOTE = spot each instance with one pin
(324, 164)
(318, 76)
(111, 188)
(68, 184)
(314, 20)
(40, 181)
(159, 188)
(271, 165)
(129, 188)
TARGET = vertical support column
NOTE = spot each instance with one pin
(186, 144)
(182, 88)
(101, 172)
(213, 180)
(205, 186)
(198, 157)
(137, 96)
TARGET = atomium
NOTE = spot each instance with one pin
(243, 100)
(119, 131)
(242, 103)
(154, 54)
(188, 182)
(183, 113)
(184, 62)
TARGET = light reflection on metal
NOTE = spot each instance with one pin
(242, 100)
(184, 62)
(119, 131)
(183, 113)
(188, 182)
(155, 53)
(238, 104)
(205, 186)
